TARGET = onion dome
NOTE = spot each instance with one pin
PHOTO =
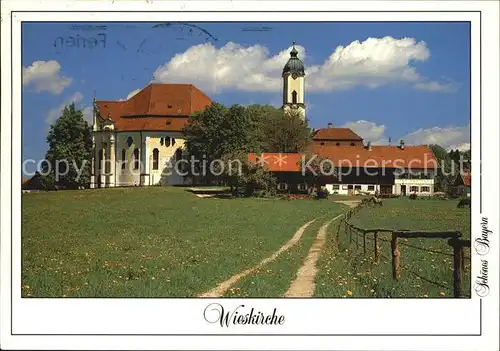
(294, 64)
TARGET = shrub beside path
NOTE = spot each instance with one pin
(222, 288)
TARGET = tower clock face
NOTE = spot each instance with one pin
(294, 75)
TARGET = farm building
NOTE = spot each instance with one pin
(462, 184)
(146, 131)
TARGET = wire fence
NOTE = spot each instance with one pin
(373, 236)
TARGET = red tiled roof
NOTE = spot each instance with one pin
(412, 157)
(277, 162)
(156, 107)
(336, 134)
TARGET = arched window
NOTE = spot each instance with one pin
(101, 156)
(167, 141)
(156, 155)
(173, 141)
(161, 141)
(130, 141)
(123, 158)
(294, 97)
(136, 158)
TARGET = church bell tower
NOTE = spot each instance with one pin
(293, 84)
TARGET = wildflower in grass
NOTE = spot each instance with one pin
(425, 295)
(152, 278)
(26, 286)
(372, 291)
(442, 293)
(349, 292)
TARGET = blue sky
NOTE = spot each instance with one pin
(397, 80)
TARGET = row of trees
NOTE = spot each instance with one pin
(230, 133)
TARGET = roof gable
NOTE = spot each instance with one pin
(336, 134)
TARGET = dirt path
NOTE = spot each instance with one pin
(350, 203)
(304, 284)
(220, 289)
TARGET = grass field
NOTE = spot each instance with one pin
(155, 242)
(349, 272)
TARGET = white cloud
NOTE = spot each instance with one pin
(453, 137)
(369, 131)
(232, 66)
(437, 87)
(371, 63)
(443, 136)
(88, 114)
(132, 93)
(461, 147)
(44, 76)
(76, 98)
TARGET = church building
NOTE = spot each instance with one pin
(137, 142)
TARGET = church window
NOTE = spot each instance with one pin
(167, 141)
(156, 155)
(161, 141)
(173, 141)
(123, 158)
(352, 144)
(136, 158)
(294, 97)
(130, 141)
(338, 144)
(101, 156)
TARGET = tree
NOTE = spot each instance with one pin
(229, 134)
(447, 170)
(218, 131)
(70, 150)
(285, 131)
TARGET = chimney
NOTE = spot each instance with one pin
(369, 146)
(402, 144)
(330, 125)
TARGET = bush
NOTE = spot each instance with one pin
(413, 196)
(322, 194)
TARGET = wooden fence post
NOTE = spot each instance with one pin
(463, 258)
(356, 233)
(396, 263)
(457, 267)
(364, 243)
(376, 248)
